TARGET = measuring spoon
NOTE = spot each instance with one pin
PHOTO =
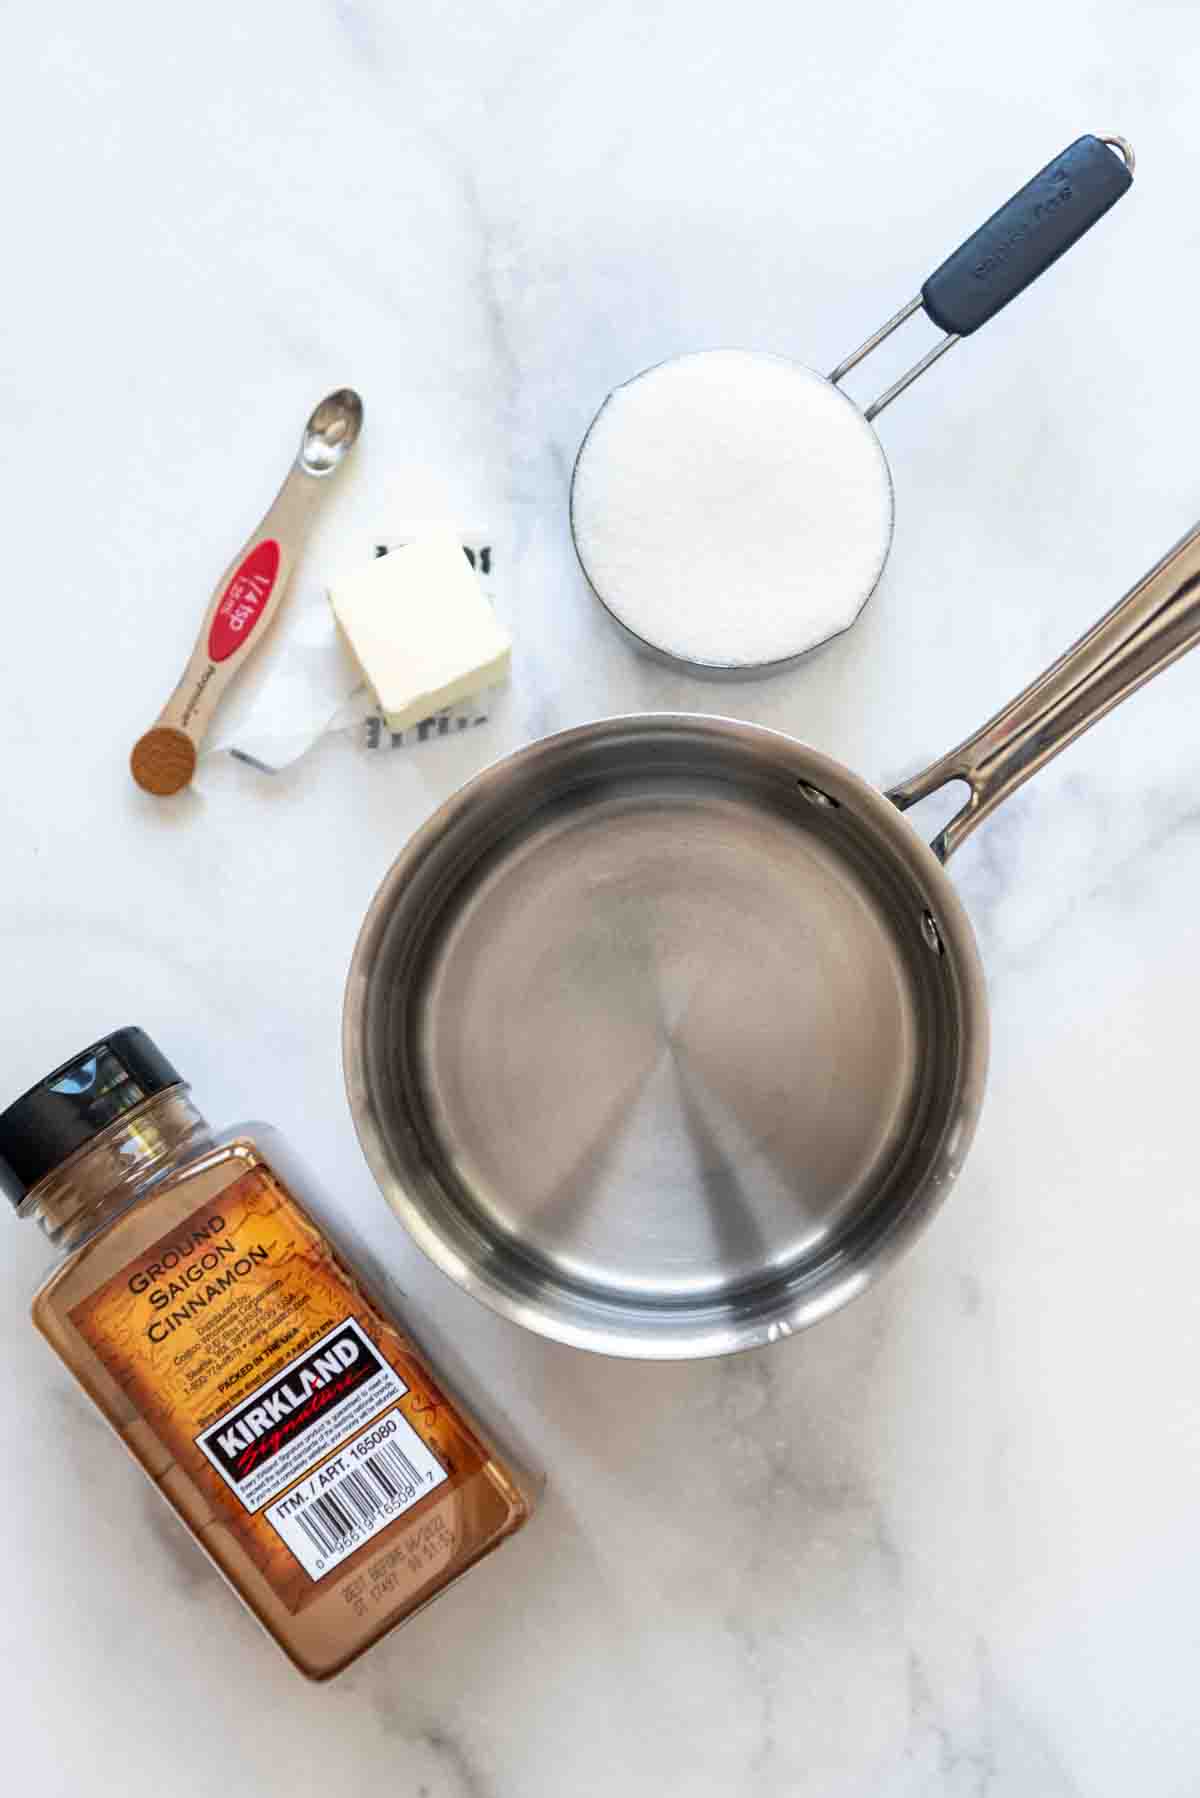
(246, 599)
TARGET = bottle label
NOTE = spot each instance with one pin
(265, 1371)
(379, 1475)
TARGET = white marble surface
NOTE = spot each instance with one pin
(946, 1544)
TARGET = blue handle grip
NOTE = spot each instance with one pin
(1050, 213)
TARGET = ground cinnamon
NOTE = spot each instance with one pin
(297, 1432)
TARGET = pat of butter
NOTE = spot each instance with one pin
(421, 629)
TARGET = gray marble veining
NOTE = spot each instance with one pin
(943, 1547)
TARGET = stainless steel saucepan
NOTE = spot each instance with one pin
(666, 1035)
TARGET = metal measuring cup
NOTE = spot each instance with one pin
(756, 507)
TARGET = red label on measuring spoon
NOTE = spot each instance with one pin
(244, 600)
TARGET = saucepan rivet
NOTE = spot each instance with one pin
(931, 933)
(815, 796)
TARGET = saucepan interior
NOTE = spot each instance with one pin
(665, 1036)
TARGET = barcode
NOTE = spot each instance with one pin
(322, 1524)
(381, 1482)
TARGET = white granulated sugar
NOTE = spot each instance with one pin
(732, 508)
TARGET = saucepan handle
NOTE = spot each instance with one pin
(1155, 623)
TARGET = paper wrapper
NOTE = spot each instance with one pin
(308, 687)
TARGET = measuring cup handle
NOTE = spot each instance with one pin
(1157, 622)
(1019, 242)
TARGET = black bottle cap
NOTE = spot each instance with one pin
(71, 1106)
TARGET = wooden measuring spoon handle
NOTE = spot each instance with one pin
(244, 603)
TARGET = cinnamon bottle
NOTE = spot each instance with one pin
(296, 1431)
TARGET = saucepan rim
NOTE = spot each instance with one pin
(716, 1330)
